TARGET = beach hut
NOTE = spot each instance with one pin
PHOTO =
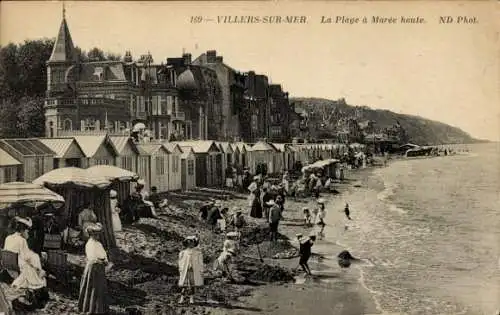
(79, 187)
(67, 151)
(208, 166)
(9, 167)
(174, 170)
(153, 165)
(188, 174)
(243, 153)
(236, 154)
(36, 158)
(127, 152)
(263, 154)
(98, 150)
(227, 157)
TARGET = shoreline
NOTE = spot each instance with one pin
(330, 290)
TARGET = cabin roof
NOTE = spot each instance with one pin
(150, 148)
(171, 147)
(28, 147)
(90, 144)
(200, 146)
(7, 160)
(226, 147)
(120, 142)
(186, 151)
(60, 145)
(263, 146)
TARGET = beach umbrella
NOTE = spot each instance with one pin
(112, 172)
(73, 175)
(29, 194)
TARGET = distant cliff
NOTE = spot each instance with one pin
(322, 118)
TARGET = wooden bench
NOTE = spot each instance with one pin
(9, 263)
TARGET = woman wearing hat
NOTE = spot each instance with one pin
(190, 268)
(115, 211)
(85, 218)
(93, 285)
(31, 277)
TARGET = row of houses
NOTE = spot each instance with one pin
(169, 166)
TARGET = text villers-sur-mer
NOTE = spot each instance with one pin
(266, 19)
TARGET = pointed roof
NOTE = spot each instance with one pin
(63, 50)
(7, 160)
(263, 146)
(90, 144)
(61, 146)
(200, 146)
(120, 142)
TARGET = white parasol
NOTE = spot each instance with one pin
(29, 194)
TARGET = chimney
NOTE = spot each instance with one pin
(211, 56)
(187, 59)
(219, 59)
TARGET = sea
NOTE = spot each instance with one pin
(428, 233)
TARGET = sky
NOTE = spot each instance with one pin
(445, 72)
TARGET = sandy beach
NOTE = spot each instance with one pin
(144, 275)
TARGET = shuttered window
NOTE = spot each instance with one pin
(190, 167)
(160, 165)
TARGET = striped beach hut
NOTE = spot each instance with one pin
(263, 154)
(153, 165)
(243, 153)
(67, 151)
(208, 166)
(36, 158)
(127, 152)
(174, 169)
(188, 174)
(9, 167)
(98, 150)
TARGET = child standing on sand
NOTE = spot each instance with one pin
(320, 217)
(307, 217)
(190, 268)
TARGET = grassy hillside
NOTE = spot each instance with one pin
(327, 117)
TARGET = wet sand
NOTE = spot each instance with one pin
(330, 290)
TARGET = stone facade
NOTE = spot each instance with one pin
(281, 116)
(182, 99)
(232, 89)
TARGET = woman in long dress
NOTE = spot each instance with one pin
(86, 218)
(115, 211)
(31, 279)
(190, 268)
(93, 286)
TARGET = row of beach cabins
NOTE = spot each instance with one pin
(169, 166)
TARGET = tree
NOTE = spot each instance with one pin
(8, 119)
(113, 57)
(96, 54)
(9, 71)
(30, 117)
(32, 56)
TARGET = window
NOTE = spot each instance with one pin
(176, 164)
(90, 124)
(160, 165)
(190, 167)
(67, 124)
(127, 163)
(163, 104)
(101, 162)
(8, 174)
(98, 73)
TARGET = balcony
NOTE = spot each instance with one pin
(178, 116)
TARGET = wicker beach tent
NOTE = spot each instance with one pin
(79, 187)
